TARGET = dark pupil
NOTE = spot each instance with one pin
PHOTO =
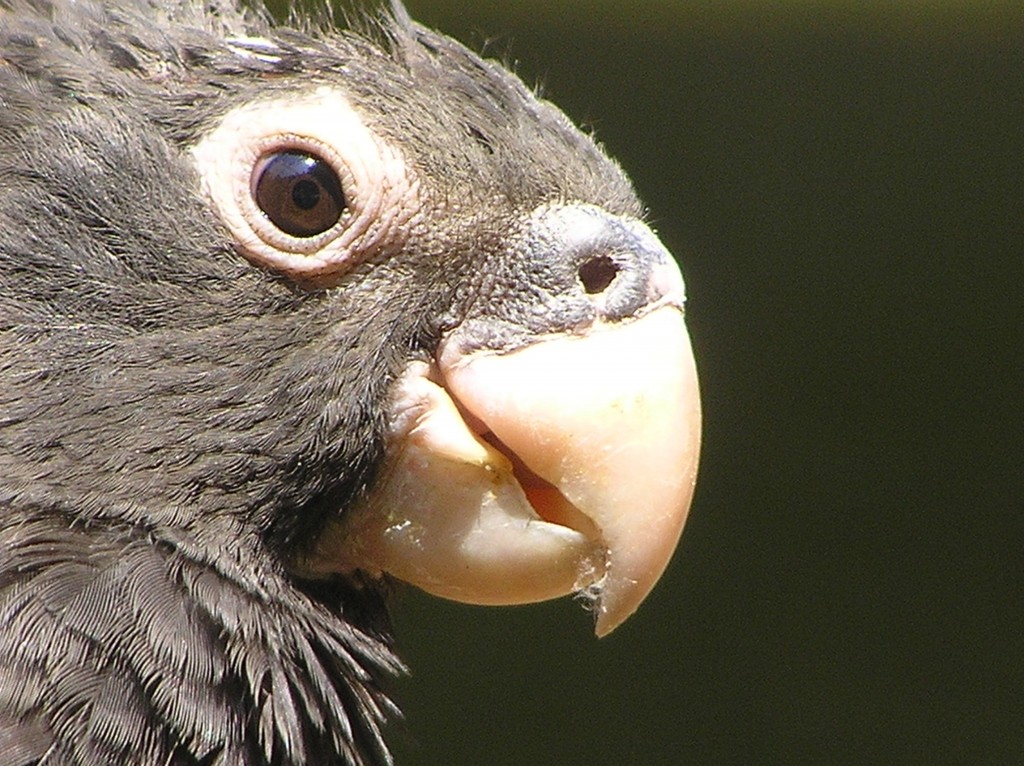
(305, 195)
(299, 192)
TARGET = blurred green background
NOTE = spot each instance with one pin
(844, 187)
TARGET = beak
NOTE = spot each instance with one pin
(565, 466)
(607, 427)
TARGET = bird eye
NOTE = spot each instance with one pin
(299, 193)
(304, 187)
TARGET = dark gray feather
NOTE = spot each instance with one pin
(175, 423)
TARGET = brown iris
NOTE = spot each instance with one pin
(299, 192)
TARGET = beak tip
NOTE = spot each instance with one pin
(606, 622)
(618, 599)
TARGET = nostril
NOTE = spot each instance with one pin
(597, 273)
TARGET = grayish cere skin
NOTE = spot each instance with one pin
(181, 415)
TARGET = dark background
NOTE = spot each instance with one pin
(843, 188)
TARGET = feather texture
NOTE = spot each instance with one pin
(175, 424)
(117, 650)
